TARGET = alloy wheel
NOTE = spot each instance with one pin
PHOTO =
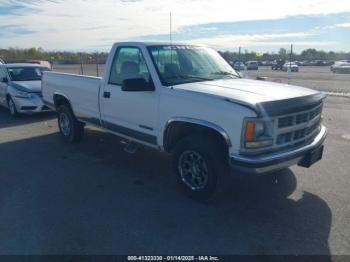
(193, 170)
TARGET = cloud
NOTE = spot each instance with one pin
(231, 41)
(20, 8)
(75, 24)
(344, 25)
(11, 31)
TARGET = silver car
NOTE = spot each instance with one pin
(238, 66)
(252, 65)
(20, 88)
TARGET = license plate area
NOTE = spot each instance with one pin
(312, 157)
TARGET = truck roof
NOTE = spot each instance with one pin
(154, 43)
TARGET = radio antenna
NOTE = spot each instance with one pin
(171, 30)
(171, 40)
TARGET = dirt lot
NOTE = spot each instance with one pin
(316, 77)
(93, 198)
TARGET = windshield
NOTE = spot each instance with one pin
(185, 64)
(26, 73)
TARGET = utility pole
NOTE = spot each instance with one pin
(290, 63)
(239, 59)
(96, 59)
(81, 64)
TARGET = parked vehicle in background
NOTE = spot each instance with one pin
(304, 63)
(342, 67)
(292, 66)
(321, 63)
(239, 66)
(267, 63)
(20, 88)
(188, 101)
(252, 65)
(40, 62)
(278, 64)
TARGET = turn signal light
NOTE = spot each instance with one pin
(249, 131)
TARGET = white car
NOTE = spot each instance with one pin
(20, 88)
(341, 67)
(188, 101)
(290, 65)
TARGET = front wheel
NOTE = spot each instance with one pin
(199, 164)
(12, 107)
(71, 129)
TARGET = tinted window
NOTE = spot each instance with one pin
(26, 73)
(128, 63)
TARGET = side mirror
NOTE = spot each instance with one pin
(137, 85)
(4, 80)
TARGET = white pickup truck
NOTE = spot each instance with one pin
(186, 100)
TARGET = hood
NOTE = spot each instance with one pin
(27, 86)
(258, 95)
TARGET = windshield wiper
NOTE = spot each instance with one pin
(191, 77)
(225, 73)
(186, 79)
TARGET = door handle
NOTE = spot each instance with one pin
(107, 94)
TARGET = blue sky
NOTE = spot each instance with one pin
(223, 24)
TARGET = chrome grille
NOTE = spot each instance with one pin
(298, 128)
(285, 121)
(302, 118)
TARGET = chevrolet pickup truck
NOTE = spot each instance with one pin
(186, 100)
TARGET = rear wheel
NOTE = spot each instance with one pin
(199, 164)
(12, 107)
(71, 129)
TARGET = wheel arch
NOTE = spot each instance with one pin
(180, 127)
(61, 99)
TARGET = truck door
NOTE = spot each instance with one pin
(131, 114)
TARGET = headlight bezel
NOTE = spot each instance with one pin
(23, 94)
(262, 138)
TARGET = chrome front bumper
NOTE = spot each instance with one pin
(262, 164)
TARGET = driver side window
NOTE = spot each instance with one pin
(128, 63)
(2, 74)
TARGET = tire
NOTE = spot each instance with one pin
(12, 107)
(203, 155)
(70, 128)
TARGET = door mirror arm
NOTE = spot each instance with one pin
(4, 80)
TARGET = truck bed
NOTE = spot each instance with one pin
(81, 91)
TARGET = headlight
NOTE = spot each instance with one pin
(22, 94)
(258, 133)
